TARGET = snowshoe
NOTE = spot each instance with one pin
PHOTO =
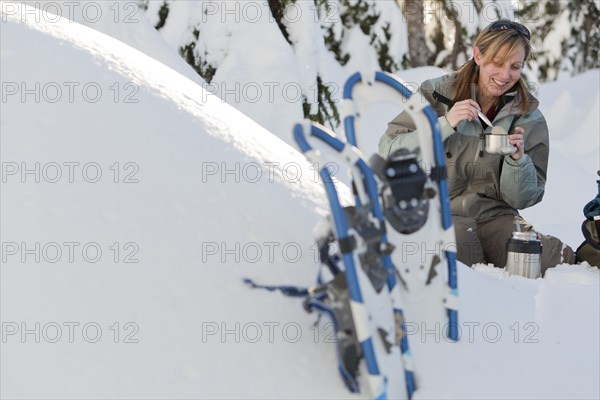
(376, 278)
(416, 205)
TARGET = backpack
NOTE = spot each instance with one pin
(589, 250)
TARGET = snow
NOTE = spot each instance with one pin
(120, 19)
(274, 98)
(193, 197)
(570, 106)
(242, 40)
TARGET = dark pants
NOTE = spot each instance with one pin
(485, 242)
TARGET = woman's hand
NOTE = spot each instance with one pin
(516, 139)
(466, 109)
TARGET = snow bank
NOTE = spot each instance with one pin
(151, 201)
(520, 338)
(122, 20)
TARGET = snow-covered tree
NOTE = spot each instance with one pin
(584, 42)
(330, 39)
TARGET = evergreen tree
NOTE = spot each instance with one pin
(565, 37)
(584, 42)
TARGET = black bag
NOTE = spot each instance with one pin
(589, 250)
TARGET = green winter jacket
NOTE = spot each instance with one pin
(481, 185)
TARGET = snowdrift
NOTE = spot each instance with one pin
(151, 201)
(133, 203)
(123, 20)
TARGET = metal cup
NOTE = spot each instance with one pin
(497, 142)
(524, 255)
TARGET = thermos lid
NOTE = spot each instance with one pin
(524, 242)
(528, 236)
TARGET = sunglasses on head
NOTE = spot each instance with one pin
(499, 25)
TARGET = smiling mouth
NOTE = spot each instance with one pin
(499, 83)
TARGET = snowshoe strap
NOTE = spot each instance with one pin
(292, 291)
(331, 261)
(347, 355)
(405, 176)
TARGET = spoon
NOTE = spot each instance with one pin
(484, 118)
(481, 115)
(496, 130)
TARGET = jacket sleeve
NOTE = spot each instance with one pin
(522, 182)
(401, 131)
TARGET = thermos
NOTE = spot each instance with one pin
(524, 255)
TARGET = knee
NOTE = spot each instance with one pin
(468, 246)
(555, 252)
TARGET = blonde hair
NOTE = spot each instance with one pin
(489, 42)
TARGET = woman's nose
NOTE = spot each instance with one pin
(505, 73)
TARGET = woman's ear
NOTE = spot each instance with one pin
(477, 56)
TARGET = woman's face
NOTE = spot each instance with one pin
(498, 73)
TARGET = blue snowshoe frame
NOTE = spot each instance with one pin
(343, 235)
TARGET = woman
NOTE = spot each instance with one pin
(486, 190)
